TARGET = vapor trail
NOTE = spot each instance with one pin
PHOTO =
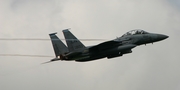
(42, 39)
(21, 55)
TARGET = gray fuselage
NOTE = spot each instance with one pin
(114, 48)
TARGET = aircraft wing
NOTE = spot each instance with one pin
(105, 45)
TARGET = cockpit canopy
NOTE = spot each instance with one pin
(134, 32)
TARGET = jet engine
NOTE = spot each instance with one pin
(114, 55)
(126, 52)
(119, 54)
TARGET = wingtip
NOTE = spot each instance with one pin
(46, 62)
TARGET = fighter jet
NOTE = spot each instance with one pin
(77, 51)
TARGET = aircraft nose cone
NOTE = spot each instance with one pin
(162, 37)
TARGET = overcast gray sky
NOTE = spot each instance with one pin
(150, 67)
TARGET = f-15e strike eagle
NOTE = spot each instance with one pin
(76, 51)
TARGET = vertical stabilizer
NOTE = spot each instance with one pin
(72, 42)
(58, 46)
